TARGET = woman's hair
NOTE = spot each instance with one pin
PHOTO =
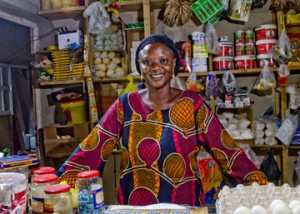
(158, 38)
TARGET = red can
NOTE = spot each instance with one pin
(239, 49)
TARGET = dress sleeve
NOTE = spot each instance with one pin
(237, 168)
(94, 151)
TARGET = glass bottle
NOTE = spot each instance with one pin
(43, 170)
(40, 182)
(90, 192)
(58, 199)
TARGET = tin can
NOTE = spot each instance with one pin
(239, 36)
(249, 36)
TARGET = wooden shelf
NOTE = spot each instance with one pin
(63, 13)
(59, 82)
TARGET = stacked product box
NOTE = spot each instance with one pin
(200, 52)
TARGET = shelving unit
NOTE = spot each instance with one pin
(145, 9)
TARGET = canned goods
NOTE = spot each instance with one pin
(249, 49)
(239, 36)
(225, 49)
(239, 49)
(249, 36)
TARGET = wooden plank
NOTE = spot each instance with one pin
(147, 17)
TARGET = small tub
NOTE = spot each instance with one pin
(263, 46)
(223, 63)
(249, 48)
(225, 49)
(245, 62)
(263, 59)
(267, 31)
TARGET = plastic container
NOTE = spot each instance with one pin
(40, 182)
(43, 170)
(263, 46)
(245, 62)
(223, 63)
(75, 111)
(90, 192)
(267, 31)
(263, 59)
(249, 36)
(249, 49)
(58, 199)
(225, 49)
(55, 4)
(67, 3)
(13, 193)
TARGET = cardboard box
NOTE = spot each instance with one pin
(68, 38)
(61, 141)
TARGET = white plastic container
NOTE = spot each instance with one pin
(245, 62)
(263, 46)
(13, 193)
(267, 31)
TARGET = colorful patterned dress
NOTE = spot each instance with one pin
(159, 150)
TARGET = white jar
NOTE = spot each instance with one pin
(40, 182)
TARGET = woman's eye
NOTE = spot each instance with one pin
(147, 62)
(163, 61)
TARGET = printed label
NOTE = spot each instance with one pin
(37, 205)
(98, 198)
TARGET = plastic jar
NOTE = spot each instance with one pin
(67, 3)
(90, 192)
(263, 59)
(40, 182)
(13, 193)
(58, 199)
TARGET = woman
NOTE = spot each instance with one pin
(160, 131)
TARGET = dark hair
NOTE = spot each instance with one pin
(158, 38)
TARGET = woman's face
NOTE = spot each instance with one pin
(157, 64)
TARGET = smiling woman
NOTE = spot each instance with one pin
(160, 131)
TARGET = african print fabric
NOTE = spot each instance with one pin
(159, 150)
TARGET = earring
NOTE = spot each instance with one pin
(141, 78)
(173, 75)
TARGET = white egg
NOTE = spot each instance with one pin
(276, 202)
(296, 210)
(294, 203)
(257, 209)
(281, 208)
(242, 210)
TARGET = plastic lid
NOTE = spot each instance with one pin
(43, 170)
(12, 178)
(243, 57)
(272, 26)
(88, 174)
(215, 59)
(57, 188)
(265, 41)
(226, 43)
(263, 56)
(45, 178)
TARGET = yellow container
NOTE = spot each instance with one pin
(75, 111)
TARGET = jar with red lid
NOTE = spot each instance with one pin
(40, 182)
(58, 199)
(41, 170)
(90, 192)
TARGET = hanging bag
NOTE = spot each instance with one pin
(270, 168)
